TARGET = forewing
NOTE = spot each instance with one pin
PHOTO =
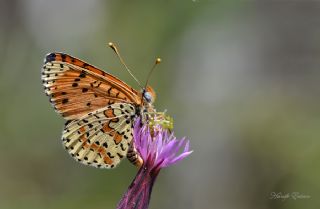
(76, 88)
(101, 138)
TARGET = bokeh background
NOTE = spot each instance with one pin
(240, 78)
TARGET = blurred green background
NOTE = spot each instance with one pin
(240, 78)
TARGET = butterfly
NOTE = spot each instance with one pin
(99, 109)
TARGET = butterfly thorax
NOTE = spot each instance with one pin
(147, 112)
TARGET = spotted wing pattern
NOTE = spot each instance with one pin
(100, 138)
(76, 88)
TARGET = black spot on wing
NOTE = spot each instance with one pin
(105, 144)
(82, 74)
(50, 57)
(85, 65)
(63, 57)
(109, 154)
(64, 101)
(120, 156)
(122, 147)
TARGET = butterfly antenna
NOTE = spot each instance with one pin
(158, 60)
(114, 48)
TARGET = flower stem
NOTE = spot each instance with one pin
(139, 192)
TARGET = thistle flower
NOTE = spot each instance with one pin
(158, 149)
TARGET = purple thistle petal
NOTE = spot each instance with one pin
(172, 148)
(178, 158)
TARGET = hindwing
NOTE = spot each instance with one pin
(100, 138)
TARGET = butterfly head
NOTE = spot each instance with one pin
(148, 95)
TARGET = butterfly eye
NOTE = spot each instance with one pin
(147, 96)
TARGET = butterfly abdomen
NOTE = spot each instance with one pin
(133, 156)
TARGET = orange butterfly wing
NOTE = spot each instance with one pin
(76, 88)
(98, 106)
